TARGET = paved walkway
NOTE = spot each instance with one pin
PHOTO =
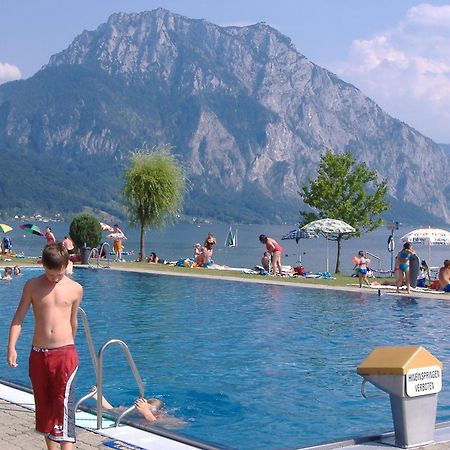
(17, 431)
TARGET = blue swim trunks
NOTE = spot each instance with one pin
(447, 288)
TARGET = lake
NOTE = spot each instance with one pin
(176, 241)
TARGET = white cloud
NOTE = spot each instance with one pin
(407, 69)
(9, 72)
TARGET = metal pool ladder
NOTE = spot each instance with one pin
(96, 253)
(97, 362)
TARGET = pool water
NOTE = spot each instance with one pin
(246, 366)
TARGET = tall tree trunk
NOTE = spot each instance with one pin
(338, 256)
(142, 236)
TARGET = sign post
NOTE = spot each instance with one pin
(391, 242)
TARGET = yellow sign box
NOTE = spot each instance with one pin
(397, 360)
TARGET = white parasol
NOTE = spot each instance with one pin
(329, 228)
(117, 236)
(428, 236)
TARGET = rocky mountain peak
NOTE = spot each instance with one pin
(240, 106)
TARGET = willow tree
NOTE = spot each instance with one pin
(153, 189)
(348, 191)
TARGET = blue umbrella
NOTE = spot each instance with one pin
(299, 234)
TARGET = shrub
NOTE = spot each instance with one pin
(85, 228)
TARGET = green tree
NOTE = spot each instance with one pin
(153, 189)
(85, 229)
(348, 191)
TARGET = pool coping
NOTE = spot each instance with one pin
(278, 281)
(141, 439)
(380, 290)
(135, 436)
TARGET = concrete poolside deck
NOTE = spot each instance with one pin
(17, 433)
(17, 429)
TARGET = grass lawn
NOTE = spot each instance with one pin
(341, 280)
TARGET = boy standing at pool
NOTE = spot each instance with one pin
(53, 361)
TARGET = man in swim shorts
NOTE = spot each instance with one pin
(53, 361)
(117, 244)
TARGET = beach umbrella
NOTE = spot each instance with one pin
(299, 234)
(116, 236)
(427, 236)
(106, 227)
(4, 228)
(31, 228)
(329, 228)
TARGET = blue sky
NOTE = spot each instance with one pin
(396, 51)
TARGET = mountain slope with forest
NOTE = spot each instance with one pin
(246, 114)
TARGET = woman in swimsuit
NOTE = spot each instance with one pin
(275, 249)
(361, 264)
(403, 258)
(49, 236)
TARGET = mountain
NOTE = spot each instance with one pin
(246, 113)
(446, 148)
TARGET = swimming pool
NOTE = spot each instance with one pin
(246, 366)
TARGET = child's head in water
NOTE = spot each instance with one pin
(155, 404)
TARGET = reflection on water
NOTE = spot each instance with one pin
(244, 365)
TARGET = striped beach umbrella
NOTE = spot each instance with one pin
(31, 228)
(106, 227)
(5, 228)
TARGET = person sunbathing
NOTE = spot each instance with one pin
(150, 409)
(444, 276)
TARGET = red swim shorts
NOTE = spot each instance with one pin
(52, 372)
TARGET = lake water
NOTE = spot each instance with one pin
(175, 242)
(243, 365)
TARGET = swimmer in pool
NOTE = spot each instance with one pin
(8, 273)
(150, 409)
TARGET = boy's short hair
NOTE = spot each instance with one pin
(55, 256)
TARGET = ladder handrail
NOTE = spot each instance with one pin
(105, 246)
(134, 369)
(377, 258)
(90, 343)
